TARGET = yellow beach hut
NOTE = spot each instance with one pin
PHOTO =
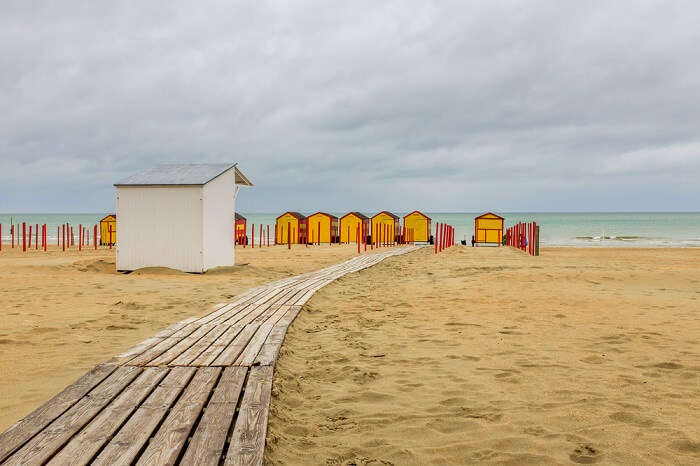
(322, 228)
(386, 218)
(488, 229)
(105, 224)
(348, 226)
(420, 224)
(295, 223)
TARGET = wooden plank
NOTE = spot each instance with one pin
(126, 445)
(195, 350)
(165, 447)
(207, 444)
(25, 429)
(248, 440)
(252, 349)
(210, 354)
(270, 350)
(47, 442)
(82, 447)
(182, 345)
(231, 352)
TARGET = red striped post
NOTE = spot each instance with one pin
(45, 238)
(252, 235)
(109, 229)
(80, 237)
(24, 237)
(261, 236)
(268, 235)
(12, 232)
(289, 235)
(0, 236)
(94, 236)
(358, 238)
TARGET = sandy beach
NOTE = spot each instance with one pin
(488, 355)
(63, 312)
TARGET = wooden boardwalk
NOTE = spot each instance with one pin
(195, 393)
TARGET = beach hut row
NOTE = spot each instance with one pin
(322, 227)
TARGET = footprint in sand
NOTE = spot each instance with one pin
(585, 454)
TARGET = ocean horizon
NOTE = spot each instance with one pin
(579, 229)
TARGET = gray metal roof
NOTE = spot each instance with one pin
(195, 174)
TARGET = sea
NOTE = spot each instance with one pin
(580, 229)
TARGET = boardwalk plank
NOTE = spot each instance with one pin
(126, 445)
(207, 444)
(270, 350)
(229, 355)
(248, 440)
(165, 447)
(82, 447)
(25, 429)
(43, 446)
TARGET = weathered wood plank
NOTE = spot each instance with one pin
(25, 429)
(248, 440)
(166, 445)
(252, 349)
(270, 350)
(231, 352)
(195, 350)
(126, 445)
(81, 448)
(207, 443)
(47, 442)
(210, 354)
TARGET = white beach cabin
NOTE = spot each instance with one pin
(178, 216)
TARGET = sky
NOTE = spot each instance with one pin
(452, 106)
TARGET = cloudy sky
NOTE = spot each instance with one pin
(441, 106)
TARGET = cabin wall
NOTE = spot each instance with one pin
(160, 227)
(218, 219)
(352, 222)
(281, 226)
(325, 228)
(420, 226)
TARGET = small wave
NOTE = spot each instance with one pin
(613, 237)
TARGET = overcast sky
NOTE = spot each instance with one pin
(440, 106)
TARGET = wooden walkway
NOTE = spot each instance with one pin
(195, 393)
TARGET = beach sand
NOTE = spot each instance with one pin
(63, 312)
(488, 355)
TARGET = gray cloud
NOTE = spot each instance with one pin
(512, 105)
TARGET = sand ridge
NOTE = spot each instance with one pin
(487, 355)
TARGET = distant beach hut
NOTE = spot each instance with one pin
(386, 218)
(178, 216)
(295, 224)
(420, 224)
(322, 228)
(348, 226)
(107, 225)
(241, 229)
(488, 229)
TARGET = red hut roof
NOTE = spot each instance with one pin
(395, 217)
(419, 213)
(488, 213)
(293, 214)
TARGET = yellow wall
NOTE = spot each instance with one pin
(325, 228)
(489, 229)
(104, 229)
(282, 228)
(419, 224)
(350, 221)
(383, 219)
